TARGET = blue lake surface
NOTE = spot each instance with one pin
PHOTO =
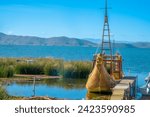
(59, 88)
(136, 61)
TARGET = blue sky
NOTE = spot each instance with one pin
(129, 19)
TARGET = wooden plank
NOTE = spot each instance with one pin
(126, 81)
(118, 94)
(120, 89)
(116, 97)
(120, 86)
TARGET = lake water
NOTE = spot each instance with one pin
(136, 61)
(60, 88)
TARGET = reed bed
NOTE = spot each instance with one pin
(77, 69)
(44, 66)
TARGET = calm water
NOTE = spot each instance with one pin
(136, 62)
(60, 88)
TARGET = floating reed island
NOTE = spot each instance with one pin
(11, 67)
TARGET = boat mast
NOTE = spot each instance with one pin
(106, 48)
(106, 43)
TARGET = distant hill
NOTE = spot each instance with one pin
(32, 40)
(124, 44)
(92, 40)
(62, 41)
(141, 44)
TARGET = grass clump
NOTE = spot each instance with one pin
(6, 71)
(28, 68)
(77, 69)
(52, 69)
(46, 66)
(3, 94)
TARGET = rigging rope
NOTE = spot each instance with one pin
(98, 47)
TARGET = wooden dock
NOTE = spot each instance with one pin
(125, 89)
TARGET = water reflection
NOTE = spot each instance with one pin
(60, 82)
(58, 88)
(62, 88)
(97, 96)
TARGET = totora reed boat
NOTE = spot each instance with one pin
(107, 75)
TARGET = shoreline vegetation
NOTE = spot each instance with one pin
(9, 67)
(5, 96)
(24, 69)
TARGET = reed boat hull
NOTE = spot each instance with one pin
(99, 80)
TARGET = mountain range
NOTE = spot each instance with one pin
(32, 40)
(62, 41)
